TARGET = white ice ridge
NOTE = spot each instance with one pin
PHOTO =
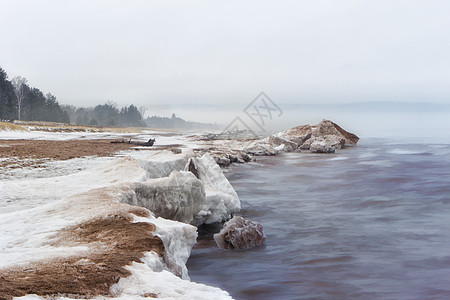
(181, 196)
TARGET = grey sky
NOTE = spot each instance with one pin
(163, 52)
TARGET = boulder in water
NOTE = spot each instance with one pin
(239, 233)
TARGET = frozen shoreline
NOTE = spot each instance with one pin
(188, 187)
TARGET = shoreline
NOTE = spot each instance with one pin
(131, 178)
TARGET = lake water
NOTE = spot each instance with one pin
(370, 222)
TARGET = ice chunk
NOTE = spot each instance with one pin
(239, 233)
(178, 197)
(221, 198)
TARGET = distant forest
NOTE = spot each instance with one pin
(19, 101)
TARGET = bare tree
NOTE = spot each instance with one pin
(19, 83)
(142, 110)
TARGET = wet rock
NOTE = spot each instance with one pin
(239, 233)
(222, 161)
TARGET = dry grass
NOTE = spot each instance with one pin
(11, 126)
(115, 243)
(62, 127)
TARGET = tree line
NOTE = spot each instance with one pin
(107, 114)
(19, 101)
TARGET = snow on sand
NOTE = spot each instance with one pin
(76, 235)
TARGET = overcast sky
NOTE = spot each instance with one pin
(167, 52)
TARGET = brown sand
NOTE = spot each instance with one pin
(115, 243)
(59, 150)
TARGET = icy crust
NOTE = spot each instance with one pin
(161, 164)
(33, 192)
(221, 198)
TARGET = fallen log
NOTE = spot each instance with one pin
(149, 143)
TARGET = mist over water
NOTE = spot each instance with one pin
(409, 122)
(369, 222)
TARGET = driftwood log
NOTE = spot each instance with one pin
(146, 144)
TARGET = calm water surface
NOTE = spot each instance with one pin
(372, 222)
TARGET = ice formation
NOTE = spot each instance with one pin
(239, 233)
(221, 198)
(178, 197)
(161, 164)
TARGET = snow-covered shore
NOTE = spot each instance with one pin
(124, 226)
(43, 220)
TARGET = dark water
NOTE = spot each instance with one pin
(371, 222)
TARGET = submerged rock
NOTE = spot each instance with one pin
(239, 233)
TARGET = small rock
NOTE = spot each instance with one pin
(239, 233)
(222, 161)
(176, 150)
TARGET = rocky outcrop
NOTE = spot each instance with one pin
(239, 233)
(325, 137)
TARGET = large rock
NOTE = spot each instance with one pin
(325, 137)
(239, 233)
(327, 128)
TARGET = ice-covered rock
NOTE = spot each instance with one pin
(327, 128)
(178, 197)
(326, 144)
(276, 141)
(260, 148)
(239, 233)
(325, 137)
(221, 198)
(297, 135)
